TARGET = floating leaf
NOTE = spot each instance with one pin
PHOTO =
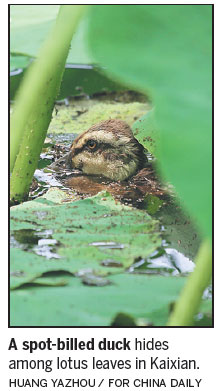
(86, 233)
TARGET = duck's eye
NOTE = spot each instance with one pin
(92, 144)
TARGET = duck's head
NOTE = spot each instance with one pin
(107, 149)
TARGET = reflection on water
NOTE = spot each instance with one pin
(38, 241)
(165, 261)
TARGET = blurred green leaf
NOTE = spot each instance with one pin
(166, 52)
(80, 305)
(30, 24)
(141, 297)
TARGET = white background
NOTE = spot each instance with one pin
(199, 344)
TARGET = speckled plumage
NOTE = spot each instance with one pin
(116, 163)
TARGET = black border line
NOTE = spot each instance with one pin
(111, 327)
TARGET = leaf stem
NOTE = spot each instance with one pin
(190, 298)
(35, 100)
